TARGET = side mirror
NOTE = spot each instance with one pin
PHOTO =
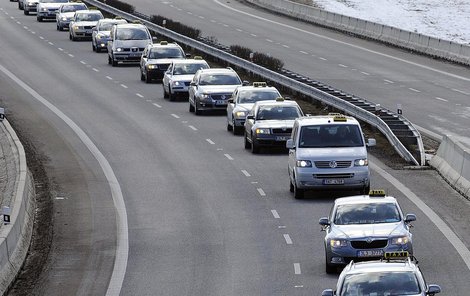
(154, 39)
(371, 142)
(290, 144)
(410, 218)
(188, 55)
(324, 221)
(433, 289)
(230, 101)
(245, 83)
(193, 84)
(327, 292)
(250, 117)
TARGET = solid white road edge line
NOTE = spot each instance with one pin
(440, 224)
(345, 43)
(122, 244)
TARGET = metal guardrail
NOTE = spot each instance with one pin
(288, 82)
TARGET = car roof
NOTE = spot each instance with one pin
(217, 71)
(88, 11)
(73, 4)
(112, 20)
(169, 44)
(257, 88)
(361, 199)
(276, 103)
(380, 266)
(326, 119)
(189, 61)
(130, 25)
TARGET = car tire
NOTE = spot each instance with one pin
(26, 12)
(247, 143)
(97, 49)
(329, 269)
(229, 127)
(39, 19)
(197, 111)
(147, 78)
(113, 62)
(171, 96)
(109, 60)
(236, 129)
(20, 7)
(298, 193)
(254, 147)
(165, 94)
(291, 186)
(191, 108)
(93, 47)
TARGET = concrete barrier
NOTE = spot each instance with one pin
(16, 236)
(410, 40)
(452, 161)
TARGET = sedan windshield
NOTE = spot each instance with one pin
(251, 96)
(132, 34)
(53, 1)
(187, 69)
(380, 284)
(369, 213)
(272, 112)
(219, 79)
(331, 135)
(166, 53)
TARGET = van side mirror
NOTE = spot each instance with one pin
(290, 144)
(410, 218)
(371, 142)
(245, 83)
(324, 221)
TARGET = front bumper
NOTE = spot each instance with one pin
(82, 33)
(342, 256)
(155, 73)
(127, 57)
(63, 24)
(353, 178)
(181, 89)
(209, 104)
(47, 14)
(271, 140)
(30, 8)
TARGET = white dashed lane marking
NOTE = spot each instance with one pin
(275, 214)
(323, 59)
(245, 172)
(96, 70)
(71, 55)
(288, 239)
(297, 268)
(175, 116)
(342, 66)
(286, 46)
(441, 99)
(139, 95)
(253, 35)
(414, 89)
(83, 62)
(40, 37)
(156, 105)
(61, 49)
(261, 191)
(389, 81)
(192, 127)
(239, 30)
(228, 156)
(109, 78)
(269, 40)
(365, 73)
(210, 141)
(304, 52)
(124, 86)
(461, 91)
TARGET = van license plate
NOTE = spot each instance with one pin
(333, 182)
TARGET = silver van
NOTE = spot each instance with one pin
(328, 152)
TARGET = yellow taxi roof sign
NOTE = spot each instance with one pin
(280, 99)
(396, 255)
(197, 58)
(136, 22)
(260, 84)
(377, 193)
(163, 42)
(339, 118)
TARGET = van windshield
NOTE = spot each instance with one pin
(330, 135)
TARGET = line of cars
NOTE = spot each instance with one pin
(325, 152)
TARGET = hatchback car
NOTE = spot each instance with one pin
(157, 57)
(178, 76)
(81, 26)
(210, 89)
(364, 227)
(101, 33)
(47, 9)
(127, 43)
(243, 99)
(269, 123)
(395, 275)
(65, 14)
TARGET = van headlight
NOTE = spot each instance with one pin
(361, 162)
(304, 163)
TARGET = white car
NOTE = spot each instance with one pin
(177, 78)
(65, 14)
(47, 9)
(82, 24)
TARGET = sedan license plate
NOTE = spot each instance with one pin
(281, 138)
(220, 102)
(370, 253)
(333, 182)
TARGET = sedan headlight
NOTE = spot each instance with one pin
(361, 162)
(240, 114)
(263, 131)
(63, 18)
(98, 36)
(304, 163)
(44, 9)
(402, 240)
(152, 66)
(75, 27)
(204, 96)
(338, 243)
(176, 83)
(119, 49)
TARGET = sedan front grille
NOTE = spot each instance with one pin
(220, 96)
(375, 244)
(333, 176)
(281, 130)
(327, 164)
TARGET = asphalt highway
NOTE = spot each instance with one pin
(204, 216)
(433, 94)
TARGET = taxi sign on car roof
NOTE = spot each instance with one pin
(197, 58)
(340, 118)
(163, 42)
(136, 22)
(92, 8)
(377, 193)
(280, 99)
(260, 84)
(396, 255)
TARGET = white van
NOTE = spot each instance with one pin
(328, 152)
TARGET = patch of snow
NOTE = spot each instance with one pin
(444, 19)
